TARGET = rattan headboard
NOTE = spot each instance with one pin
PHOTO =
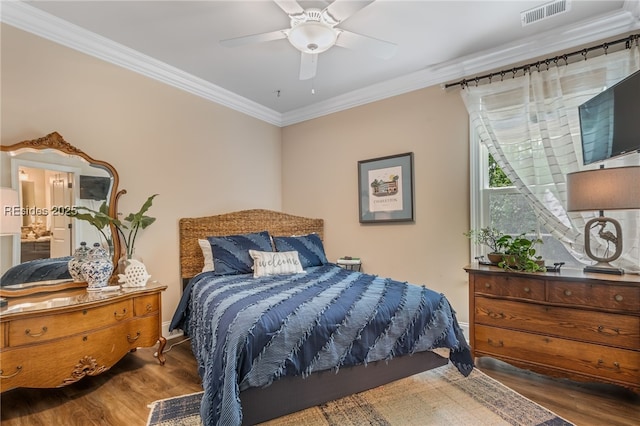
(277, 223)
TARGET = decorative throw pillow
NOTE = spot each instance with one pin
(275, 263)
(207, 253)
(309, 247)
(231, 252)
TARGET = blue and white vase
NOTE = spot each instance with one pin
(97, 268)
(75, 264)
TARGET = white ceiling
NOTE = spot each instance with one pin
(437, 41)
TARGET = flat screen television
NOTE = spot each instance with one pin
(610, 121)
(94, 187)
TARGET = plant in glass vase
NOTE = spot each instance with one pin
(128, 229)
(100, 219)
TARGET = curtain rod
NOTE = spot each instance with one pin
(564, 57)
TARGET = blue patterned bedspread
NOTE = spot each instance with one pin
(37, 270)
(247, 332)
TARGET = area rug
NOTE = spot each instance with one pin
(437, 397)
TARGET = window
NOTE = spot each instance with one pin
(500, 205)
(532, 124)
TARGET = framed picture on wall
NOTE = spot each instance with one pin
(385, 188)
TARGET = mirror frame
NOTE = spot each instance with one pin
(56, 142)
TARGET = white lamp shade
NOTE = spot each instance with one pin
(604, 189)
(11, 218)
(312, 37)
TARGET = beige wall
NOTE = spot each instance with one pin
(200, 157)
(151, 133)
(320, 179)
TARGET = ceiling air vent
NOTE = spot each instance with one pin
(545, 11)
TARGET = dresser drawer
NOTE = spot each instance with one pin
(145, 305)
(3, 334)
(143, 332)
(596, 327)
(38, 329)
(591, 360)
(595, 295)
(509, 286)
(67, 360)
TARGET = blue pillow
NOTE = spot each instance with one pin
(309, 247)
(231, 252)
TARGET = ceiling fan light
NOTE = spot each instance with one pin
(312, 37)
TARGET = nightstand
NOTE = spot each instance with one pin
(351, 263)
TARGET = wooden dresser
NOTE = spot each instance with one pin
(55, 339)
(566, 324)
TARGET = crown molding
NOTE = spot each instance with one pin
(633, 7)
(28, 18)
(33, 20)
(592, 31)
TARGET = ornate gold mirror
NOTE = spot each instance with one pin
(42, 180)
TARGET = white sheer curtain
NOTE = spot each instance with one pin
(530, 126)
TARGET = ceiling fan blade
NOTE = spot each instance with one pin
(308, 65)
(255, 38)
(378, 48)
(342, 9)
(290, 7)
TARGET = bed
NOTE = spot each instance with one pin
(37, 270)
(297, 330)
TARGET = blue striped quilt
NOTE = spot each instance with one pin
(247, 332)
(37, 270)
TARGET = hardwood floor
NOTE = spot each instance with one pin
(121, 395)
(588, 404)
(118, 397)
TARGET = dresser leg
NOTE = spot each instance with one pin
(163, 342)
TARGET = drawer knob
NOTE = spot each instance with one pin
(608, 331)
(497, 344)
(487, 285)
(618, 298)
(122, 315)
(18, 370)
(568, 293)
(527, 290)
(133, 339)
(42, 332)
(616, 365)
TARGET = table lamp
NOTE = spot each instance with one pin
(599, 190)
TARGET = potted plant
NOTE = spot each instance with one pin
(490, 237)
(100, 219)
(135, 222)
(520, 253)
(127, 228)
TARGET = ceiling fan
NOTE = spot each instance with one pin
(314, 31)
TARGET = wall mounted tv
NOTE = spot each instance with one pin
(610, 121)
(94, 187)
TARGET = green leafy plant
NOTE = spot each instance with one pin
(520, 253)
(135, 222)
(100, 219)
(488, 236)
(127, 228)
